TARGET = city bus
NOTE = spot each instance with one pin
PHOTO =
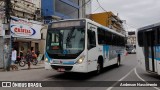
(82, 46)
(148, 48)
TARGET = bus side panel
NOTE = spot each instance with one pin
(113, 55)
(140, 54)
(157, 57)
(141, 58)
(106, 55)
(158, 67)
(123, 53)
(93, 52)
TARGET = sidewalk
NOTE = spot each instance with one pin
(38, 66)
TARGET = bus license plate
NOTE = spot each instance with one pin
(61, 69)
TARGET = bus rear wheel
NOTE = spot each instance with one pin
(99, 67)
(118, 61)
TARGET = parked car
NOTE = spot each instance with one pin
(131, 49)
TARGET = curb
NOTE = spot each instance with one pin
(32, 68)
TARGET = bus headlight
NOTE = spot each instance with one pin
(80, 60)
(46, 59)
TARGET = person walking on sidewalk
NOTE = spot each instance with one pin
(29, 57)
(13, 59)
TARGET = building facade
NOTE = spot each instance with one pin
(25, 14)
(110, 20)
(131, 40)
(65, 9)
(53, 10)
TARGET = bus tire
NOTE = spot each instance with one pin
(98, 68)
(118, 61)
(99, 65)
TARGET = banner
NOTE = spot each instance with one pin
(79, 83)
(24, 28)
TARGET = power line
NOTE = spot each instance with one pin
(96, 9)
(131, 26)
(101, 6)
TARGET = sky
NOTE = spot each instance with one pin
(137, 13)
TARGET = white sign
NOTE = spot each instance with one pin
(25, 29)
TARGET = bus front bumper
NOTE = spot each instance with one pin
(70, 68)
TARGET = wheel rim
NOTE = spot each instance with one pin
(22, 63)
(98, 68)
(118, 63)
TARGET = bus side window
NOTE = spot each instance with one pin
(91, 39)
(158, 35)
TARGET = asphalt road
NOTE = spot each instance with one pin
(128, 71)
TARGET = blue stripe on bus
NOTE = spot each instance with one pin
(105, 48)
(158, 59)
(157, 49)
(69, 62)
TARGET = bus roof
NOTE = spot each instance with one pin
(149, 26)
(93, 22)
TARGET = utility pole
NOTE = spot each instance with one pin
(8, 19)
(7, 9)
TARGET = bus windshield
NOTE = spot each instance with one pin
(65, 43)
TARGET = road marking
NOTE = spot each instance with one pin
(121, 79)
(135, 70)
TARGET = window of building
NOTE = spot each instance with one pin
(66, 9)
(75, 1)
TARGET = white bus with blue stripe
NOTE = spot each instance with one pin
(82, 46)
(148, 48)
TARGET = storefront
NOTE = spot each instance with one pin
(26, 34)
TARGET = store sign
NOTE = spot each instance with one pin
(25, 29)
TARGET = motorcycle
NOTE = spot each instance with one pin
(23, 61)
(20, 61)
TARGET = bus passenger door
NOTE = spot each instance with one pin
(149, 42)
(157, 50)
(92, 48)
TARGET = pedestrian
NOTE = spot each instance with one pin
(38, 52)
(29, 57)
(21, 54)
(13, 59)
(34, 55)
